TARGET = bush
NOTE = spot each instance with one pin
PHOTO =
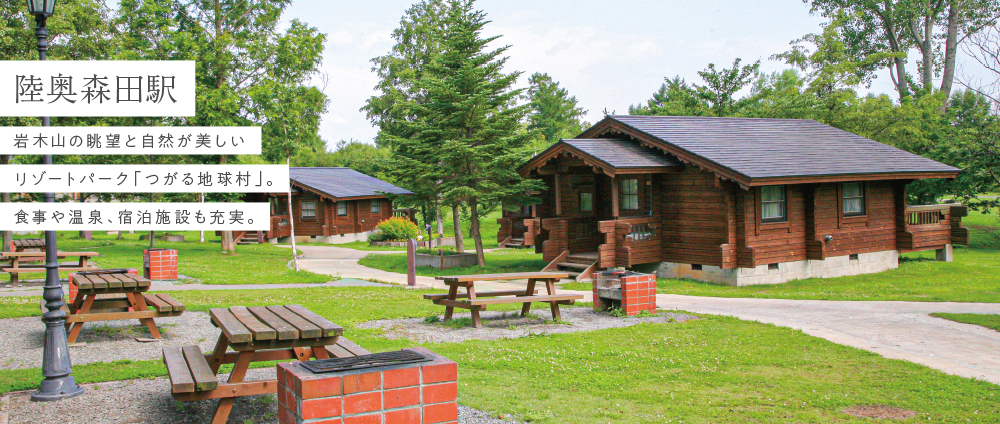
(395, 229)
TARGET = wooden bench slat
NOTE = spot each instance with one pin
(160, 305)
(230, 326)
(204, 378)
(329, 328)
(336, 351)
(41, 268)
(307, 330)
(522, 299)
(478, 294)
(177, 369)
(260, 330)
(352, 347)
(174, 304)
(285, 330)
(127, 283)
(505, 276)
(84, 282)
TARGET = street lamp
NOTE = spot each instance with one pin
(58, 383)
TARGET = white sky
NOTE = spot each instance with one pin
(609, 54)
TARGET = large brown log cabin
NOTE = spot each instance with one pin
(738, 201)
(331, 205)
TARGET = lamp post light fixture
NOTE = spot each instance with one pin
(58, 383)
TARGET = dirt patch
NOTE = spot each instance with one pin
(509, 325)
(880, 412)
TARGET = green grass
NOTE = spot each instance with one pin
(972, 277)
(709, 370)
(989, 321)
(498, 261)
(204, 262)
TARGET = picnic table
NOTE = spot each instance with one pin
(474, 301)
(255, 334)
(132, 302)
(27, 262)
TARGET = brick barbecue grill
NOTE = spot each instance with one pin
(633, 292)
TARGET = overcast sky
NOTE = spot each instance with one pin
(609, 54)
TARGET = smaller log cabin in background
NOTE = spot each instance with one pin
(331, 205)
(738, 201)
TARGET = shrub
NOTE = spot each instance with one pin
(395, 229)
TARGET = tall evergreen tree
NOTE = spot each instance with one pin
(552, 111)
(467, 132)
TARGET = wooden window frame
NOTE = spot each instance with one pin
(302, 210)
(622, 195)
(784, 205)
(843, 218)
(375, 206)
(339, 204)
(579, 204)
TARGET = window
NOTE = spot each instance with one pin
(376, 206)
(629, 196)
(854, 198)
(696, 267)
(586, 202)
(308, 210)
(852, 257)
(773, 267)
(773, 206)
(341, 208)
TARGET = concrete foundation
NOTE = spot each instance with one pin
(945, 255)
(334, 239)
(865, 263)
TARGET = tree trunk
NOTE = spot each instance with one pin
(8, 236)
(950, 52)
(121, 235)
(457, 217)
(152, 239)
(228, 245)
(440, 219)
(202, 232)
(474, 230)
(291, 220)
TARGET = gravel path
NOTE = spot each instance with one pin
(106, 341)
(149, 401)
(497, 325)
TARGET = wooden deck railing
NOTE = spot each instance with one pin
(931, 227)
(630, 242)
(277, 228)
(577, 235)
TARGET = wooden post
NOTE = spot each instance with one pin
(614, 197)
(558, 192)
(411, 262)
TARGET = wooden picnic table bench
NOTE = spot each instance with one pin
(259, 333)
(475, 302)
(26, 262)
(134, 304)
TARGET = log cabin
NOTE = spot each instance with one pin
(737, 201)
(330, 205)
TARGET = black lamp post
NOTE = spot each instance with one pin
(56, 366)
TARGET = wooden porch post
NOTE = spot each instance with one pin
(558, 196)
(614, 197)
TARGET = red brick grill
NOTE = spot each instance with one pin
(631, 291)
(159, 264)
(386, 388)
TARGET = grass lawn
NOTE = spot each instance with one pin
(708, 370)
(252, 264)
(497, 261)
(988, 321)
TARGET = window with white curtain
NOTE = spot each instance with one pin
(773, 204)
(308, 210)
(854, 198)
(376, 206)
(341, 208)
(629, 196)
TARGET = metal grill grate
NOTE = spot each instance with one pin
(365, 361)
